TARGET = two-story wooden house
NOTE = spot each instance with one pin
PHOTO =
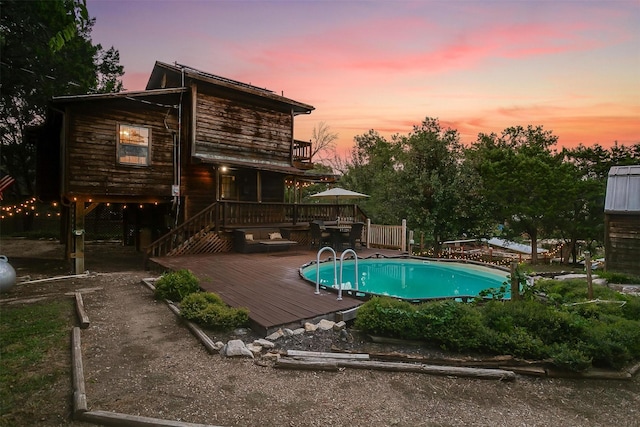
(193, 152)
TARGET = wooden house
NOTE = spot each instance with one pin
(194, 154)
(622, 220)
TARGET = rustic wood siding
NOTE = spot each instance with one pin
(199, 184)
(622, 243)
(92, 165)
(238, 130)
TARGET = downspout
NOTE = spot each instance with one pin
(178, 154)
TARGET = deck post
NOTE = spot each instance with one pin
(78, 237)
(368, 232)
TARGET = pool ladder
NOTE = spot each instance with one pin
(335, 269)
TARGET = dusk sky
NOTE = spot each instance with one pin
(478, 66)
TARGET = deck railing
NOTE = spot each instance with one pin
(232, 214)
(200, 223)
(389, 236)
(238, 214)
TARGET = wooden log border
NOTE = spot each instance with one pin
(77, 372)
(82, 314)
(116, 419)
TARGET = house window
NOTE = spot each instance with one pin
(133, 145)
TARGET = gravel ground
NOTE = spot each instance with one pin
(140, 360)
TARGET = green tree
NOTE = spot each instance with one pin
(34, 68)
(585, 191)
(372, 171)
(523, 180)
(436, 190)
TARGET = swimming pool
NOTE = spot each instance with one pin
(409, 278)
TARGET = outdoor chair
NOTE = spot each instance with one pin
(354, 235)
(318, 236)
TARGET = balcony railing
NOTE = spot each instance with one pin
(302, 153)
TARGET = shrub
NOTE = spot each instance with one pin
(176, 285)
(570, 359)
(615, 277)
(389, 317)
(208, 309)
(573, 336)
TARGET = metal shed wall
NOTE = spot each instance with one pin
(622, 219)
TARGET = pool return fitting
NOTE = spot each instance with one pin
(335, 269)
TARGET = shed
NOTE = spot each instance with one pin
(622, 220)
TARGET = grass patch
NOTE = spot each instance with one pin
(29, 336)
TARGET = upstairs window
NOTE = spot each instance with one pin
(133, 145)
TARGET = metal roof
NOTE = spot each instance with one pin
(623, 190)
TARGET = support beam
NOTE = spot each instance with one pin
(77, 232)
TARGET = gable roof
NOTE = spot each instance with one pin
(623, 190)
(160, 70)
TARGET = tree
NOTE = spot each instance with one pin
(523, 180)
(435, 191)
(322, 141)
(372, 171)
(34, 69)
(585, 191)
(421, 177)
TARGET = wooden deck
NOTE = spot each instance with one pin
(268, 284)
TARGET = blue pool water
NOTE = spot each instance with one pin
(411, 279)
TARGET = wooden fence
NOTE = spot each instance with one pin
(389, 236)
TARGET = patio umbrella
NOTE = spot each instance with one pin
(339, 194)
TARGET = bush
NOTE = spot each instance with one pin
(176, 285)
(573, 336)
(208, 309)
(620, 278)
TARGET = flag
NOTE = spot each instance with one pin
(5, 182)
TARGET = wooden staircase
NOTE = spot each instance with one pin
(194, 236)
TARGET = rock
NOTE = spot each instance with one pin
(600, 282)
(218, 345)
(236, 348)
(254, 349)
(271, 355)
(274, 336)
(345, 336)
(287, 332)
(339, 326)
(240, 332)
(264, 343)
(310, 327)
(298, 331)
(325, 325)
(570, 277)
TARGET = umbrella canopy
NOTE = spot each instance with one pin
(339, 193)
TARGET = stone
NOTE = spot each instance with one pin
(310, 327)
(254, 349)
(274, 336)
(340, 325)
(264, 343)
(325, 325)
(345, 336)
(298, 331)
(236, 348)
(287, 332)
(570, 277)
(240, 332)
(600, 282)
(218, 345)
(271, 355)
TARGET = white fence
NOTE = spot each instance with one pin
(389, 236)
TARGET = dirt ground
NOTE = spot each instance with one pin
(140, 359)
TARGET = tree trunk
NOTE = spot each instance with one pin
(534, 246)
